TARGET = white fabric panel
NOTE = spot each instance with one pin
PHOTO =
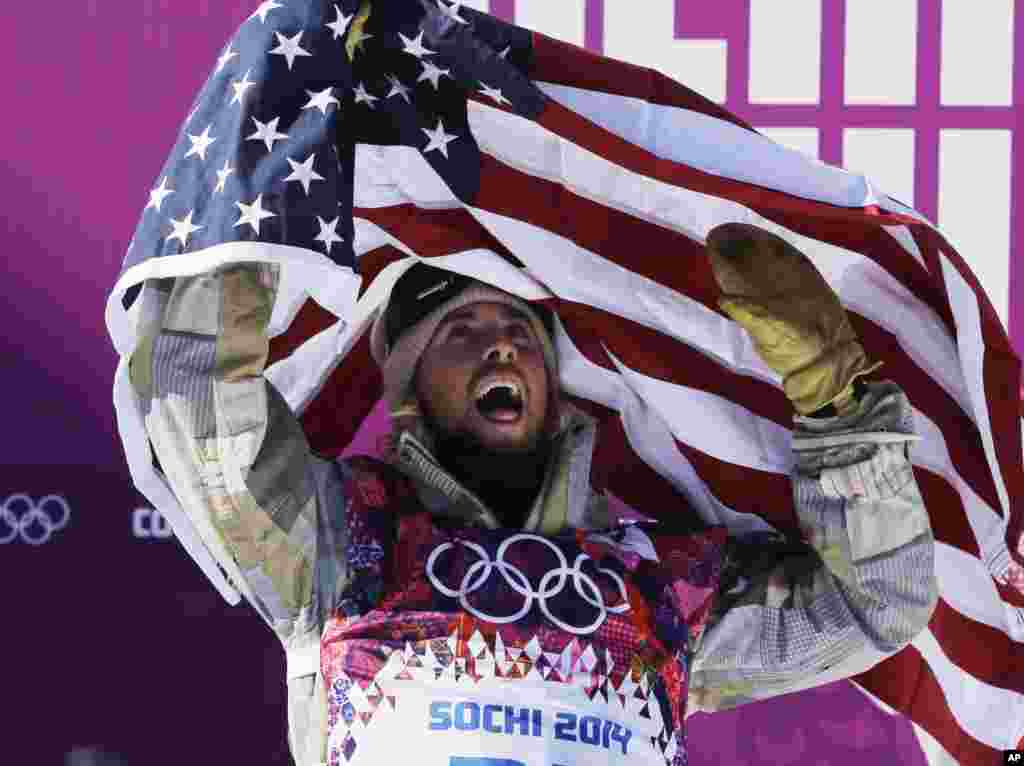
(785, 52)
(648, 39)
(881, 52)
(977, 53)
(886, 155)
(562, 20)
(978, 225)
(987, 713)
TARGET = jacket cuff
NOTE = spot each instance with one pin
(884, 416)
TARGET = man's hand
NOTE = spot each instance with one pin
(796, 321)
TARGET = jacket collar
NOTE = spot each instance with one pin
(565, 501)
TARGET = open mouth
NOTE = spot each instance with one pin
(500, 402)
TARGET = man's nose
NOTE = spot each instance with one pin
(501, 349)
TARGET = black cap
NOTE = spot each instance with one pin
(418, 292)
(424, 288)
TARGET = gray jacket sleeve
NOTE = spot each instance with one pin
(239, 464)
(859, 586)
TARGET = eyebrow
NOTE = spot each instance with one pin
(468, 313)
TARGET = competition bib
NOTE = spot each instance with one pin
(500, 724)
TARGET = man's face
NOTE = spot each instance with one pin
(474, 347)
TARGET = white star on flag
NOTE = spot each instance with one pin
(265, 8)
(398, 89)
(452, 11)
(494, 93)
(340, 24)
(222, 176)
(327, 234)
(415, 46)
(504, 54)
(439, 140)
(225, 57)
(321, 100)
(303, 172)
(267, 133)
(253, 214)
(363, 96)
(200, 143)
(432, 73)
(241, 86)
(182, 229)
(156, 196)
(289, 48)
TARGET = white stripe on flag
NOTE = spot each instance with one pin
(978, 707)
(964, 304)
(715, 146)
(967, 586)
(717, 426)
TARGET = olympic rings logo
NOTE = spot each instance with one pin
(479, 571)
(31, 522)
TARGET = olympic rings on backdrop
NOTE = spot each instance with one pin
(32, 522)
(479, 571)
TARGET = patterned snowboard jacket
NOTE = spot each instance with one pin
(411, 621)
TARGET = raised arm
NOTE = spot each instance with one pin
(238, 461)
(796, 614)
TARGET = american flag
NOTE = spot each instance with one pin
(346, 141)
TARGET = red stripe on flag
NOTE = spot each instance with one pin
(906, 683)
(562, 63)
(982, 651)
(946, 513)
(333, 418)
(1010, 594)
(869, 239)
(617, 468)
(747, 490)
(434, 232)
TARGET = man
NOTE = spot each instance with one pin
(470, 600)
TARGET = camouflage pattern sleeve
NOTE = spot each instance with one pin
(233, 451)
(795, 614)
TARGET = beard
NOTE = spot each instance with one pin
(507, 480)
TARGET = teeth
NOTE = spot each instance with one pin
(490, 385)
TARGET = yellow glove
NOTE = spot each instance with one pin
(796, 321)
